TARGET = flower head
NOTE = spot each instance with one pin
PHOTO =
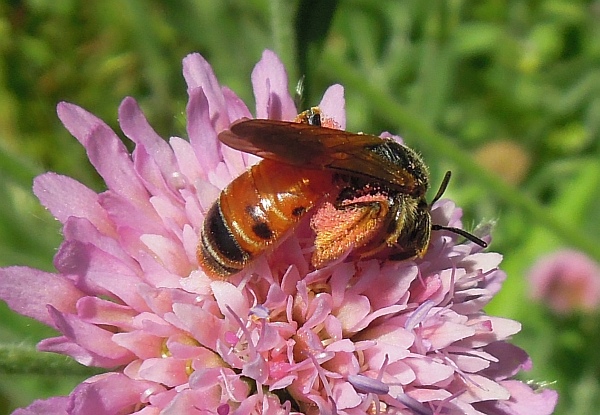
(354, 337)
(566, 281)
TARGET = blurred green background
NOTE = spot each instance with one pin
(506, 94)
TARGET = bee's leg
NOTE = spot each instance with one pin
(360, 227)
(370, 205)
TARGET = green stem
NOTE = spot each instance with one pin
(282, 27)
(394, 112)
(25, 359)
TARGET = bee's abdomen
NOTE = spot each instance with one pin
(218, 251)
(254, 212)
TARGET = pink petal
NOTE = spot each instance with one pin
(236, 108)
(446, 333)
(156, 275)
(270, 83)
(190, 170)
(392, 283)
(482, 261)
(167, 371)
(333, 327)
(320, 308)
(344, 361)
(199, 76)
(142, 344)
(207, 194)
(52, 406)
(510, 360)
(525, 401)
(271, 339)
(468, 363)
(125, 214)
(205, 327)
(502, 328)
(479, 388)
(136, 127)
(163, 399)
(289, 255)
(97, 311)
(345, 395)
(391, 341)
(182, 346)
(442, 211)
(168, 253)
(220, 176)
(78, 121)
(333, 105)
(173, 215)
(98, 272)
(190, 243)
(229, 297)
(203, 138)
(161, 300)
(275, 297)
(353, 310)
(91, 337)
(472, 300)
(428, 371)
(257, 369)
(79, 229)
(110, 394)
(28, 291)
(148, 410)
(105, 151)
(339, 282)
(234, 160)
(494, 281)
(153, 324)
(194, 402)
(63, 345)
(151, 176)
(385, 311)
(65, 197)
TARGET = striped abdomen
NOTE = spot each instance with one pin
(254, 211)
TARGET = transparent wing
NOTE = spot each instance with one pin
(317, 147)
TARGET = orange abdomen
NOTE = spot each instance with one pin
(255, 210)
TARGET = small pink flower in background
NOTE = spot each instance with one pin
(566, 281)
(361, 337)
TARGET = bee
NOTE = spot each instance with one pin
(367, 192)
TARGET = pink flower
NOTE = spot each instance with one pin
(352, 338)
(566, 281)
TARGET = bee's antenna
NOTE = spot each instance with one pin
(460, 232)
(457, 231)
(442, 188)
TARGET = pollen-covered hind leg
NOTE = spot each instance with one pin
(356, 224)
